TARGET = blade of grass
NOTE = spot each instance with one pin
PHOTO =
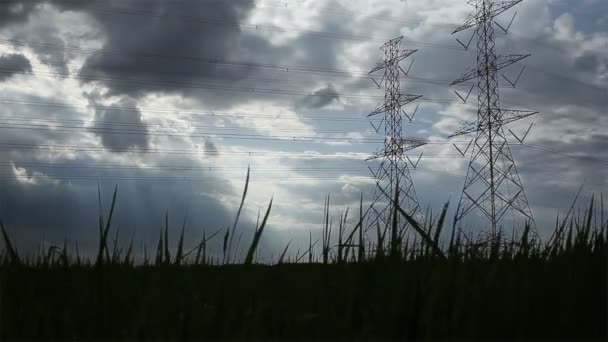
(180, 245)
(225, 245)
(78, 260)
(441, 221)
(326, 232)
(361, 252)
(103, 241)
(64, 252)
(238, 214)
(587, 227)
(419, 229)
(115, 248)
(310, 247)
(128, 260)
(12, 252)
(167, 259)
(200, 248)
(281, 259)
(393, 253)
(236, 247)
(159, 248)
(257, 236)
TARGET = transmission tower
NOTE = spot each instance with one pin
(393, 174)
(492, 185)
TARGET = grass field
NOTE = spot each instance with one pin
(489, 287)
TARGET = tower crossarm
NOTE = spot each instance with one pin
(467, 128)
(502, 6)
(403, 54)
(406, 145)
(502, 62)
(392, 42)
(379, 66)
(403, 100)
(377, 111)
(411, 144)
(468, 75)
(497, 8)
(507, 117)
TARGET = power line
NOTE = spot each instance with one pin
(266, 66)
(193, 113)
(249, 90)
(172, 167)
(354, 74)
(111, 124)
(281, 138)
(233, 136)
(176, 178)
(280, 116)
(224, 169)
(206, 60)
(146, 132)
(204, 179)
(200, 151)
(543, 70)
(546, 149)
(111, 167)
(285, 138)
(557, 175)
(79, 148)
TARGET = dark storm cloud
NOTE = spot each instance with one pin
(181, 49)
(589, 62)
(15, 11)
(163, 47)
(122, 116)
(320, 98)
(12, 64)
(169, 48)
(210, 148)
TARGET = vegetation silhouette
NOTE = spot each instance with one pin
(484, 287)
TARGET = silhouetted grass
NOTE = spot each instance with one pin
(487, 287)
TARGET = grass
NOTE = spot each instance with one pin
(412, 286)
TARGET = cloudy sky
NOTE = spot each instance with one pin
(172, 100)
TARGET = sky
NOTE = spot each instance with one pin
(172, 100)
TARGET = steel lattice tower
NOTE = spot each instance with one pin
(492, 185)
(393, 174)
